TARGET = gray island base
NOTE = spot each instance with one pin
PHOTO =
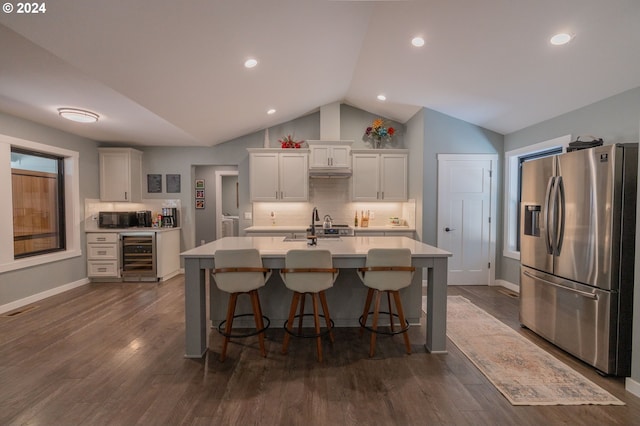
(345, 299)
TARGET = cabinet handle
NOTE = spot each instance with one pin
(102, 269)
(102, 252)
(382, 195)
(328, 161)
(125, 195)
(276, 195)
(101, 239)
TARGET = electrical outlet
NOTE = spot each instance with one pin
(248, 216)
(372, 215)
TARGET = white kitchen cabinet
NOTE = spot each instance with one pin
(379, 175)
(120, 174)
(168, 253)
(103, 253)
(279, 175)
(327, 154)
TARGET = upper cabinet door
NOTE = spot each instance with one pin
(341, 156)
(294, 176)
(120, 174)
(366, 177)
(393, 177)
(264, 176)
(320, 156)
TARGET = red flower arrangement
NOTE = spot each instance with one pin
(289, 142)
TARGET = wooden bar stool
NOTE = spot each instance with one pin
(386, 270)
(308, 272)
(241, 272)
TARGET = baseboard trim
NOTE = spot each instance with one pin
(632, 386)
(506, 284)
(43, 295)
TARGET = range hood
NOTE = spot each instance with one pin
(330, 136)
(330, 173)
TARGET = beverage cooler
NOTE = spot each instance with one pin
(138, 256)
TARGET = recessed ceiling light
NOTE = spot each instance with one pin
(78, 115)
(271, 111)
(560, 39)
(382, 97)
(250, 63)
(417, 41)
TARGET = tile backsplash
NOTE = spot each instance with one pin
(332, 197)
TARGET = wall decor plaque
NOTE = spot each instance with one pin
(173, 183)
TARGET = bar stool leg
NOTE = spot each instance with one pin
(316, 321)
(292, 314)
(257, 315)
(396, 297)
(327, 318)
(376, 310)
(301, 313)
(367, 306)
(231, 309)
(390, 311)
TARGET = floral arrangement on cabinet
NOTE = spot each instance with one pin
(378, 133)
(289, 142)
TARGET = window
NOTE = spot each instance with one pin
(41, 214)
(37, 189)
(513, 164)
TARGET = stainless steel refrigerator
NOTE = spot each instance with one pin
(577, 241)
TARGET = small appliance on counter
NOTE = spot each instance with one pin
(117, 219)
(169, 217)
(144, 218)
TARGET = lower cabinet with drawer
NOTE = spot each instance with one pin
(103, 255)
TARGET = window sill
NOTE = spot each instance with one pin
(511, 254)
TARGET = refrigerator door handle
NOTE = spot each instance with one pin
(581, 293)
(559, 202)
(545, 215)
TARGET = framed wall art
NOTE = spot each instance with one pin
(199, 204)
(173, 183)
(154, 183)
(200, 193)
(199, 183)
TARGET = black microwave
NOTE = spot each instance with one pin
(117, 219)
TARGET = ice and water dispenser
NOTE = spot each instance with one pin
(532, 220)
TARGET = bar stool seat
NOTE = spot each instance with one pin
(241, 272)
(387, 271)
(308, 272)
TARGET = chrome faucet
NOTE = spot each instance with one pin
(311, 235)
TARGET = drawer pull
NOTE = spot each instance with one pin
(102, 269)
(102, 253)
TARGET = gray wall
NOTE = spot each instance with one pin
(444, 134)
(22, 283)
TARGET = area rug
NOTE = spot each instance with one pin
(523, 372)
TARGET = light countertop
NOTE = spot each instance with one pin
(300, 228)
(136, 229)
(355, 247)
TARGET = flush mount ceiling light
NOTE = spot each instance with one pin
(250, 63)
(560, 39)
(271, 111)
(78, 115)
(382, 97)
(417, 41)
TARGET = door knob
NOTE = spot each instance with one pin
(447, 229)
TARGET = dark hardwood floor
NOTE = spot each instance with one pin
(113, 354)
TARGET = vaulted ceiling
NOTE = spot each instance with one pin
(171, 72)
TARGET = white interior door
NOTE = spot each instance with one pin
(466, 204)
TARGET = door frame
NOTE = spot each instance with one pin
(493, 225)
(219, 174)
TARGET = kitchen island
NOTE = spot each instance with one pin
(348, 254)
